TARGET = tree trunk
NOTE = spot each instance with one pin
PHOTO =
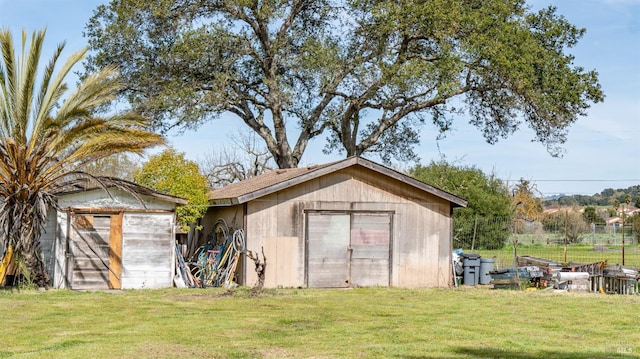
(285, 160)
(260, 267)
(25, 224)
(32, 257)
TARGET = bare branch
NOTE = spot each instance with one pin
(244, 161)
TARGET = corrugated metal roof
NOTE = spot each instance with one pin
(276, 180)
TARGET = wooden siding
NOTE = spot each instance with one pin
(59, 277)
(278, 251)
(233, 216)
(420, 232)
(148, 249)
(48, 243)
(262, 223)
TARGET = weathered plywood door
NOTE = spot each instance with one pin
(370, 243)
(348, 249)
(95, 250)
(328, 250)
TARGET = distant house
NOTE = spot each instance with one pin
(343, 224)
(614, 221)
(115, 240)
(629, 212)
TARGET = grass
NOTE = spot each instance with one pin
(581, 253)
(468, 322)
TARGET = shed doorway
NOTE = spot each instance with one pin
(95, 251)
(348, 249)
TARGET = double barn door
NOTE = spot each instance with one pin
(348, 249)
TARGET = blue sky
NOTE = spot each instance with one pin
(603, 148)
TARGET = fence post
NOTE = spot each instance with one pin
(515, 252)
(566, 235)
(623, 234)
(475, 229)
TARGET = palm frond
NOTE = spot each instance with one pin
(9, 78)
(49, 95)
(26, 83)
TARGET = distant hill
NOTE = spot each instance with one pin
(605, 198)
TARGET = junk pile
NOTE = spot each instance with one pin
(214, 264)
(619, 279)
(597, 277)
(471, 268)
(511, 278)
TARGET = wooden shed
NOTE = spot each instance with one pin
(115, 240)
(343, 224)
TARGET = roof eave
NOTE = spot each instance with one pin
(224, 202)
(141, 191)
(455, 200)
(176, 200)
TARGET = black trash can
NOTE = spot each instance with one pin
(471, 266)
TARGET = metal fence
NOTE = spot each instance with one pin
(504, 238)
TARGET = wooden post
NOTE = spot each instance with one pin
(566, 235)
(115, 251)
(473, 239)
(622, 233)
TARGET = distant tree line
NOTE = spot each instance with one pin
(496, 210)
(607, 197)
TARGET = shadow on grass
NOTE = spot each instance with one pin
(495, 353)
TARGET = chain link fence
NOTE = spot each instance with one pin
(563, 241)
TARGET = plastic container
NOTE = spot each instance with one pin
(471, 266)
(486, 266)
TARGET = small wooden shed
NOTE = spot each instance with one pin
(343, 224)
(115, 240)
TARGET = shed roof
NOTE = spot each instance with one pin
(83, 185)
(277, 180)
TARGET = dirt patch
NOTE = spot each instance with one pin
(157, 350)
(208, 295)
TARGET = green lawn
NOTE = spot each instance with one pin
(468, 322)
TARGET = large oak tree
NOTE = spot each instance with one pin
(367, 73)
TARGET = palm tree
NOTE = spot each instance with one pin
(47, 135)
